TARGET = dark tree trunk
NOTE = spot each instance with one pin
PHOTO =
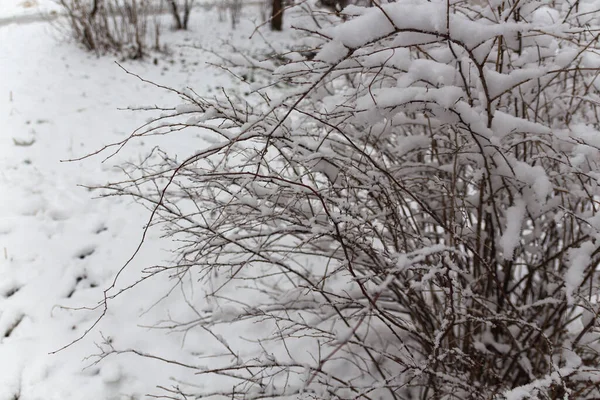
(277, 15)
(186, 14)
(94, 9)
(175, 13)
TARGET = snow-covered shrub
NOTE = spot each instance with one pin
(123, 26)
(415, 216)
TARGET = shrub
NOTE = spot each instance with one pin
(415, 216)
(122, 26)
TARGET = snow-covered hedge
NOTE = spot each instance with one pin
(415, 217)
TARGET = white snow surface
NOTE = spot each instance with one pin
(60, 247)
(18, 8)
(512, 234)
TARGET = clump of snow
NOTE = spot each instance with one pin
(187, 108)
(512, 234)
(498, 83)
(578, 261)
(544, 16)
(372, 25)
(332, 52)
(537, 179)
(343, 334)
(504, 124)
(446, 96)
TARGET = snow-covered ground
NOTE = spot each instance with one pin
(19, 8)
(60, 247)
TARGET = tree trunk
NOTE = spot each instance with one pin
(175, 13)
(277, 15)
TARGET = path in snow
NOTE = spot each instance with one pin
(29, 18)
(59, 248)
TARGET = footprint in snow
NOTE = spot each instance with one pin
(100, 229)
(81, 281)
(11, 292)
(85, 252)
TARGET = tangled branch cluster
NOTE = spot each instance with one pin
(417, 217)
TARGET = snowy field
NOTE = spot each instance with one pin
(59, 246)
(16, 9)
